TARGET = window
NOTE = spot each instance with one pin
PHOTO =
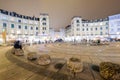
(96, 29)
(106, 27)
(44, 28)
(101, 33)
(100, 28)
(78, 29)
(91, 29)
(25, 27)
(86, 29)
(106, 33)
(36, 28)
(36, 33)
(83, 29)
(31, 28)
(12, 25)
(43, 32)
(44, 19)
(44, 23)
(4, 25)
(19, 26)
(78, 21)
(118, 29)
(106, 23)
(19, 21)
(86, 24)
(83, 25)
(78, 24)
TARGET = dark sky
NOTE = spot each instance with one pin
(61, 11)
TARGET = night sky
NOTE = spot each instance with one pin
(61, 11)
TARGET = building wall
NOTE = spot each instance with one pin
(114, 26)
(85, 29)
(17, 27)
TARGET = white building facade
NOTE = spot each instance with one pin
(18, 26)
(87, 29)
(114, 26)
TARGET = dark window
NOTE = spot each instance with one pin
(118, 29)
(36, 33)
(78, 21)
(44, 19)
(31, 28)
(106, 33)
(44, 23)
(44, 28)
(83, 29)
(86, 29)
(86, 24)
(101, 33)
(36, 28)
(25, 27)
(96, 29)
(91, 29)
(78, 24)
(43, 32)
(78, 29)
(100, 28)
(106, 27)
(19, 21)
(4, 25)
(106, 23)
(12, 25)
(19, 26)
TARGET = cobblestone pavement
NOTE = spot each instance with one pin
(19, 68)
